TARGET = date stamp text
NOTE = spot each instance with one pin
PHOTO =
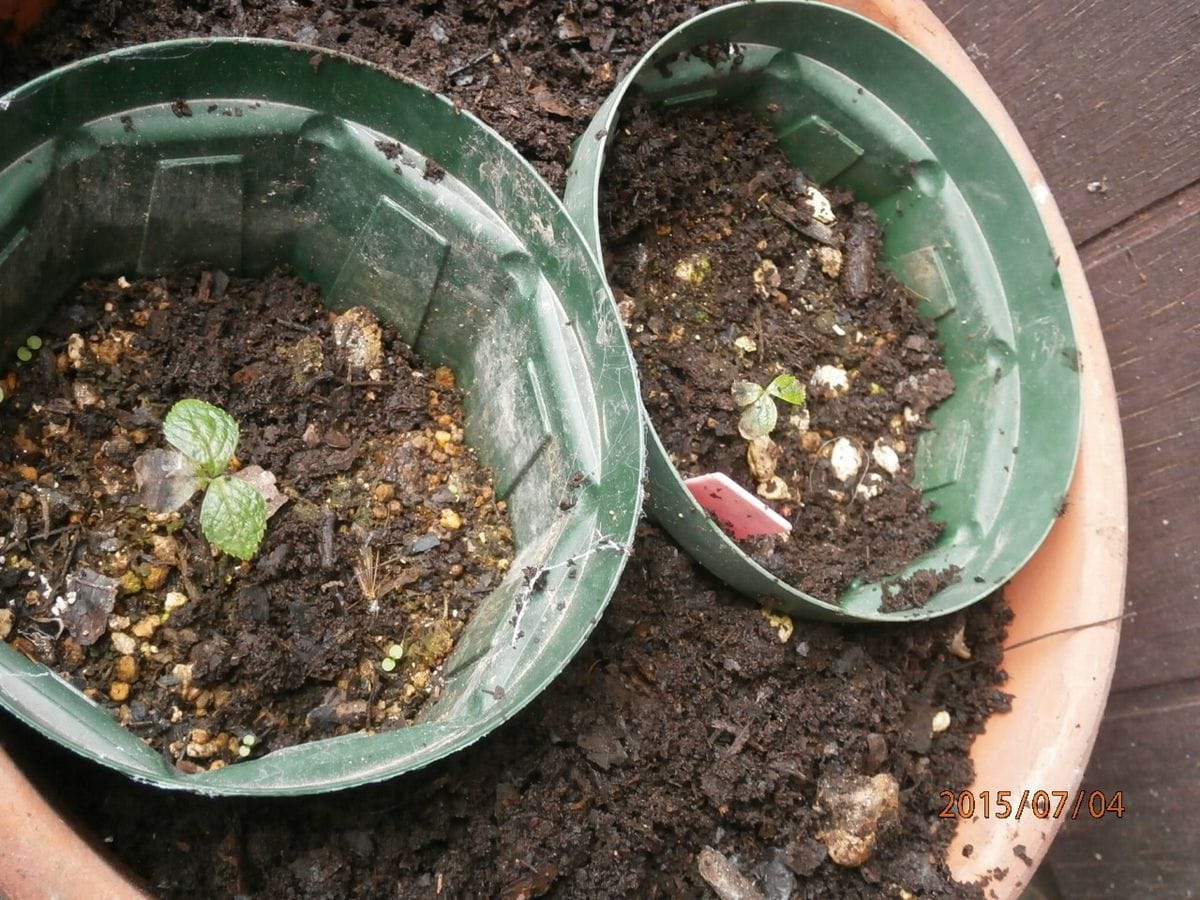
(1041, 804)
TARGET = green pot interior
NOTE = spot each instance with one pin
(276, 162)
(855, 106)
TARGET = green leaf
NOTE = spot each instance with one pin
(234, 516)
(746, 392)
(787, 389)
(758, 418)
(202, 432)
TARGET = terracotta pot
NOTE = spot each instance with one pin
(18, 16)
(1059, 684)
(43, 855)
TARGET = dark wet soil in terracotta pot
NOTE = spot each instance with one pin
(690, 719)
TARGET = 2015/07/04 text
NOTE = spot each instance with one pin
(1040, 804)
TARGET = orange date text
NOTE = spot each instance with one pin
(1040, 804)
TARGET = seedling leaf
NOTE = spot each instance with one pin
(746, 392)
(758, 418)
(202, 432)
(787, 388)
(234, 516)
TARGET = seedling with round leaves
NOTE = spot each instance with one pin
(759, 413)
(234, 513)
(395, 653)
(25, 353)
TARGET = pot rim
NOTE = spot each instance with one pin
(1059, 690)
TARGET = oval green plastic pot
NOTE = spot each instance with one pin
(853, 105)
(250, 154)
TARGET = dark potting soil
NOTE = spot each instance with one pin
(388, 535)
(684, 722)
(730, 267)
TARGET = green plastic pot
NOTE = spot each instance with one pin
(274, 161)
(855, 106)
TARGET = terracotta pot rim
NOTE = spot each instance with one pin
(1060, 692)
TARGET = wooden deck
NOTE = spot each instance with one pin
(1107, 96)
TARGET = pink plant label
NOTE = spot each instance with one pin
(742, 514)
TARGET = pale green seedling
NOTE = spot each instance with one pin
(757, 403)
(233, 515)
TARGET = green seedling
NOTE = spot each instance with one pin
(247, 745)
(757, 403)
(32, 345)
(233, 515)
(395, 653)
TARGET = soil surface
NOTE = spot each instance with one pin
(730, 268)
(684, 722)
(388, 531)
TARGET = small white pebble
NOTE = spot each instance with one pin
(123, 643)
(766, 278)
(872, 486)
(800, 421)
(746, 344)
(822, 209)
(830, 259)
(693, 269)
(885, 457)
(941, 721)
(831, 378)
(845, 460)
(175, 599)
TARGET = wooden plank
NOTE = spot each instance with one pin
(1147, 748)
(1102, 90)
(1146, 282)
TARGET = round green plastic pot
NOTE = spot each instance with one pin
(853, 105)
(250, 154)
